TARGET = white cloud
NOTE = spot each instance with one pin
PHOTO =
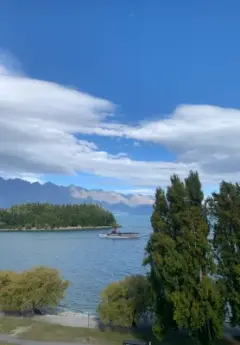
(29, 177)
(201, 136)
(9, 65)
(39, 121)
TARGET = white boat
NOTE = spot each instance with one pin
(120, 235)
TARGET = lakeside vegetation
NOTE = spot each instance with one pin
(48, 216)
(126, 301)
(183, 261)
(31, 290)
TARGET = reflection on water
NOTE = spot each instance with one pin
(87, 261)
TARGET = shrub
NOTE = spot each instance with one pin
(31, 290)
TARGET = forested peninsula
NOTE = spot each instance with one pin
(37, 216)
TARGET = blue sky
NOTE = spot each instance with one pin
(148, 59)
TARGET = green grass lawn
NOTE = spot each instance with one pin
(8, 324)
(50, 332)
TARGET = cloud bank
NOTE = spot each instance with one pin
(40, 123)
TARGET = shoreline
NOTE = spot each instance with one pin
(63, 318)
(66, 228)
(70, 318)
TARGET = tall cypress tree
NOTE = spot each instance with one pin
(159, 248)
(225, 211)
(180, 258)
(199, 293)
(176, 196)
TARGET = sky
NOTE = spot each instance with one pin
(119, 95)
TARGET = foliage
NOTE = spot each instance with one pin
(123, 303)
(31, 290)
(225, 210)
(45, 216)
(181, 262)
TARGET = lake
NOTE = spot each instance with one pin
(87, 261)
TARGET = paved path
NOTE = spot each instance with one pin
(232, 333)
(11, 340)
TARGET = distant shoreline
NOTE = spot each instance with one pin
(66, 228)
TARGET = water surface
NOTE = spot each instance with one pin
(90, 263)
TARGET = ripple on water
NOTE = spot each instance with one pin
(90, 263)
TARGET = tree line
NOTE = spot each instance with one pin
(193, 256)
(48, 216)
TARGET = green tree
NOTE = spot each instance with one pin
(47, 216)
(10, 297)
(164, 262)
(123, 303)
(225, 213)
(31, 290)
(181, 262)
(44, 287)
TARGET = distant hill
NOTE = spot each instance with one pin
(39, 216)
(17, 191)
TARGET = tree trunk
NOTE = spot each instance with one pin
(134, 325)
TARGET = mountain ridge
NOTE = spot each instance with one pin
(18, 191)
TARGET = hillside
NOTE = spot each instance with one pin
(17, 191)
(47, 216)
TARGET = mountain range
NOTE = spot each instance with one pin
(17, 191)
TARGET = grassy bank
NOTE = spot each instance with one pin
(32, 330)
(41, 331)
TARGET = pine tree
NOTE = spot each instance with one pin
(180, 258)
(225, 211)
